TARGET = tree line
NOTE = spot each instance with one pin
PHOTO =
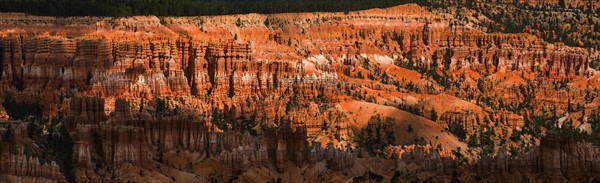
(186, 7)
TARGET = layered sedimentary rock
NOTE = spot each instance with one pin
(82, 153)
(233, 75)
(171, 66)
(163, 98)
(128, 139)
(508, 52)
(86, 110)
(13, 161)
(466, 119)
(578, 18)
(557, 158)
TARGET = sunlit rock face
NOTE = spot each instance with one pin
(287, 96)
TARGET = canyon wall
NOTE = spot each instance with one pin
(15, 165)
(262, 96)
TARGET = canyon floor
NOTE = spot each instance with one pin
(401, 94)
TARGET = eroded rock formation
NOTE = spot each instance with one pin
(261, 97)
(15, 164)
(557, 158)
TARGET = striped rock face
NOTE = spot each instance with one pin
(405, 92)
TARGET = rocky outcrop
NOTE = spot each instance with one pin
(531, 16)
(249, 76)
(124, 144)
(487, 53)
(280, 148)
(234, 162)
(84, 110)
(507, 118)
(178, 88)
(30, 167)
(430, 159)
(128, 139)
(83, 149)
(466, 119)
(14, 162)
(558, 159)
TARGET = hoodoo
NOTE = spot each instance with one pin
(436, 92)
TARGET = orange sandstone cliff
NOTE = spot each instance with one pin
(291, 97)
